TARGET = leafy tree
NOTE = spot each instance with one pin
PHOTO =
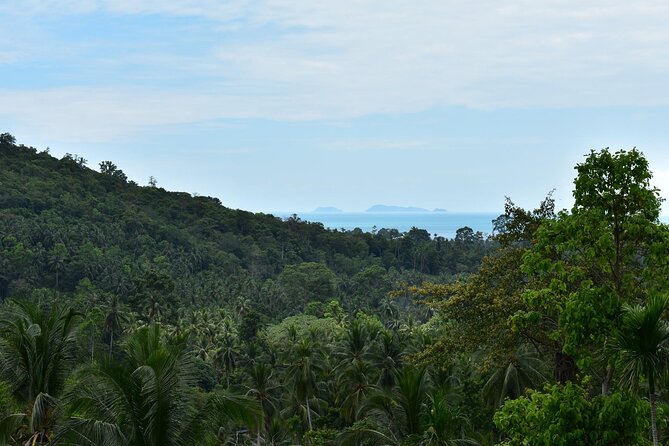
(564, 415)
(308, 282)
(587, 264)
(261, 385)
(109, 168)
(226, 357)
(7, 139)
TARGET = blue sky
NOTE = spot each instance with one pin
(285, 105)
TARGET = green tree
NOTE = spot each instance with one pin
(585, 265)
(261, 386)
(308, 282)
(7, 139)
(564, 415)
(226, 357)
(109, 168)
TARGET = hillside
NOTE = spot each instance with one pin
(62, 223)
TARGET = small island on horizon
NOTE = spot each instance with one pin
(326, 210)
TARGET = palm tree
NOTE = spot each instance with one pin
(442, 423)
(642, 345)
(303, 372)
(412, 413)
(56, 259)
(114, 320)
(519, 371)
(260, 385)
(412, 390)
(354, 382)
(356, 343)
(145, 399)
(400, 409)
(37, 349)
(226, 357)
(229, 411)
(388, 358)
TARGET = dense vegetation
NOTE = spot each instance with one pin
(137, 316)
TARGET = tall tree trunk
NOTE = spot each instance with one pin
(565, 366)
(607, 380)
(653, 408)
(111, 342)
(309, 414)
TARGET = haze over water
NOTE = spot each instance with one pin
(436, 223)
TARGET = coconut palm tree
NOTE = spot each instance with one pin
(226, 356)
(355, 382)
(144, 399)
(114, 320)
(56, 259)
(412, 413)
(37, 351)
(303, 375)
(388, 358)
(412, 391)
(260, 385)
(356, 343)
(519, 371)
(642, 345)
(443, 423)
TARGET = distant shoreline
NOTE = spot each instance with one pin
(444, 224)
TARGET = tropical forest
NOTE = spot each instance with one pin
(132, 315)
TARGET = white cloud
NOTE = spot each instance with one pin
(322, 59)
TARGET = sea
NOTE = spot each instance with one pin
(443, 224)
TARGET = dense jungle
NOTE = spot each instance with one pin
(132, 315)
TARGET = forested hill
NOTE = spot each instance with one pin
(67, 228)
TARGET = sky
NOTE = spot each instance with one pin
(286, 105)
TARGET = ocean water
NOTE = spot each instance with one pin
(442, 224)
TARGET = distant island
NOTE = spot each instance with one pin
(382, 208)
(327, 210)
(440, 210)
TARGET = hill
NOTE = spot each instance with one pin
(64, 226)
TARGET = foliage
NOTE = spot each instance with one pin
(586, 264)
(564, 415)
